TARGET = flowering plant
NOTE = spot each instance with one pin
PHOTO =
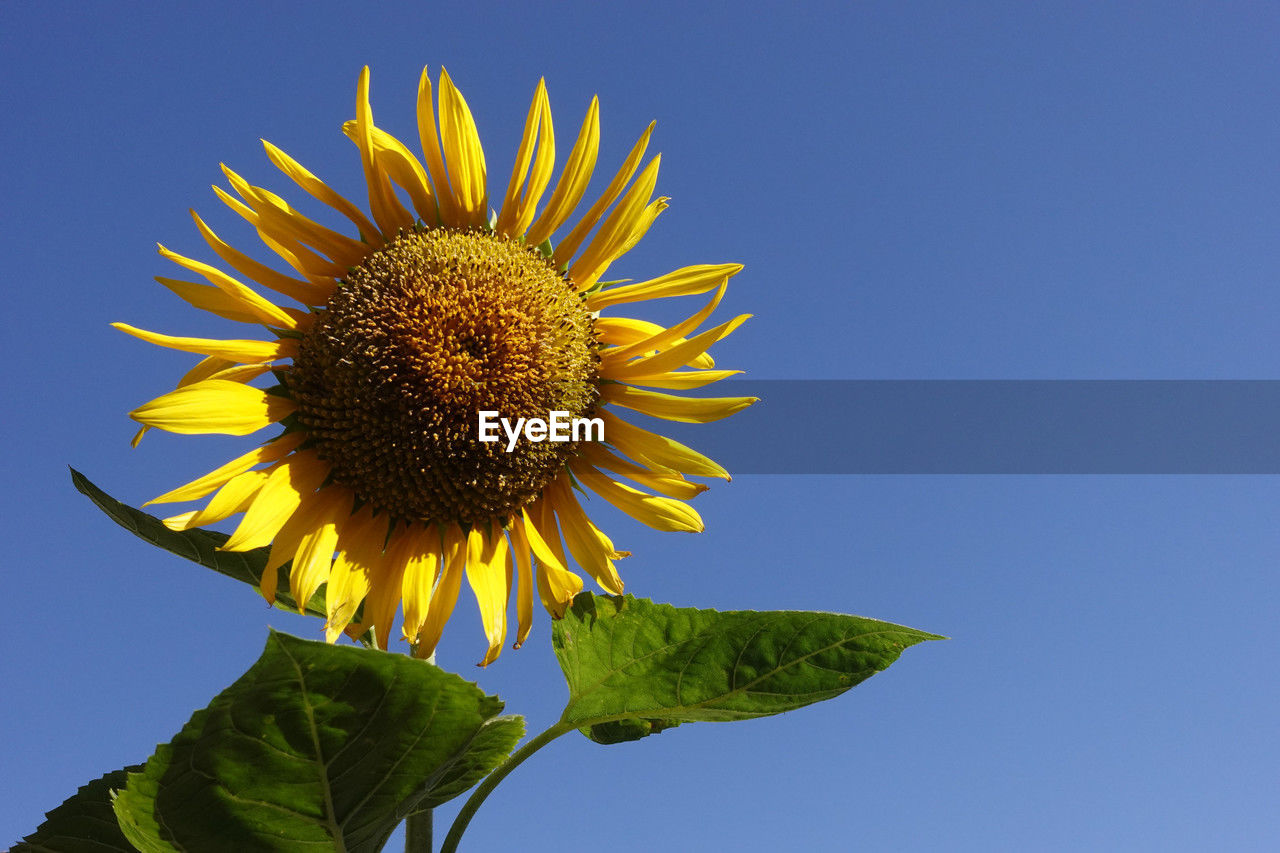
(396, 345)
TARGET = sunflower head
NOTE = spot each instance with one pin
(423, 313)
(433, 327)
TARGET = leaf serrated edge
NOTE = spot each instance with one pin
(589, 609)
(203, 545)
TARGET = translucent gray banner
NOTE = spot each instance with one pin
(994, 427)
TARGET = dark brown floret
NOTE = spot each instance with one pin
(428, 331)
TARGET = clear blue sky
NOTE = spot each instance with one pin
(1033, 191)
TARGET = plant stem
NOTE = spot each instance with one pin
(417, 832)
(491, 781)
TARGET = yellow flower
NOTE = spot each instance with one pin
(378, 485)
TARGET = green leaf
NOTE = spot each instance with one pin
(635, 668)
(491, 746)
(315, 747)
(199, 546)
(84, 823)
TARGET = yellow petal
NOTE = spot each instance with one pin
(622, 332)
(519, 207)
(462, 153)
(284, 242)
(387, 210)
(445, 196)
(214, 406)
(509, 211)
(573, 180)
(360, 540)
(273, 451)
(320, 272)
(641, 227)
(454, 564)
(206, 368)
(321, 191)
(385, 584)
(421, 568)
(242, 372)
(543, 164)
(591, 549)
(306, 292)
(540, 531)
(243, 351)
(239, 295)
(210, 299)
(234, 496)
(399, 164)
(556, 584)
(682, 380)
(278, 218)
(686, 281)
(658, 451)
(671, 407)
(522, 556)
(671, 485)
(613, 234)
(678, 354)
(659, 513)
(283, 222)
(308, 538)
(489, 575)
(569, 246)
(281, 494)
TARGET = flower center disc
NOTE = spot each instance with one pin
(427, 332)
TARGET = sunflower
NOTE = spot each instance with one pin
(426, 312)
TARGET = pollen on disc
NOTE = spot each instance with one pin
(429, 330)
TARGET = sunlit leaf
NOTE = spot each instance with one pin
(635, 668)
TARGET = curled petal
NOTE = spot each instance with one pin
(318, 189)
(489, 575)
(462, 152)
(689, 410)
(573, 180)
(457, 550)
(360, 540)
(686, 281)
(591, 549)
(660, 513)
(421, 571)
(570, 245)
(522, 556)
(658, 451)
(679, 354)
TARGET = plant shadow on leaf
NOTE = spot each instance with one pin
(317, 746)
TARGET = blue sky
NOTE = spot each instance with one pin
(1047, 191)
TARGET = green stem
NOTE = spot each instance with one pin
(491, 781)
(417, 832)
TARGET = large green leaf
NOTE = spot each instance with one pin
(84, 823)
(199, 546)
(635, 667)
(315, 747)
(491, 746)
